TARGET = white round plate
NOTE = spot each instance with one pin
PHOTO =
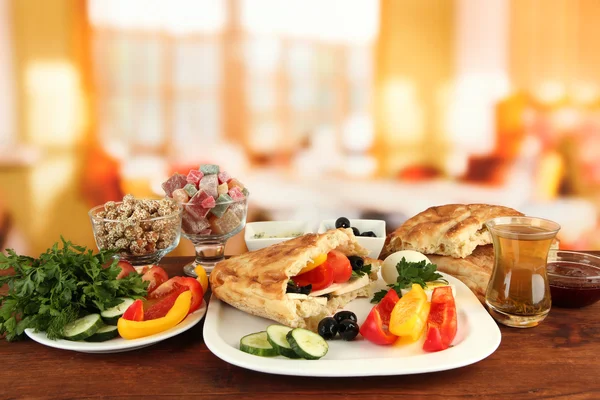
(119, 345)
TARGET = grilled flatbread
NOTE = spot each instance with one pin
(452, 230)
(256, 282)
(475, 270)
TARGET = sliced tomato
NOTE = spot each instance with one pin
(159, 307)
(342, 270)
(156, 276)
(386, 305)
(126, 268)
(442, 320)
(135, 312)
(320, 277)
(374, 330)
(169, 286)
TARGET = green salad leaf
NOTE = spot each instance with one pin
(60, 286)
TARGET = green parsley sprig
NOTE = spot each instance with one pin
(58, 287)
(365, 270)
(408, 273)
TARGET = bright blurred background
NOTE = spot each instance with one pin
(323, 108)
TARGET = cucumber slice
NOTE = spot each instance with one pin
(83, 328)
(276, 336)
(111, 315)
(103, 334)
(307, 344)
(258, 344)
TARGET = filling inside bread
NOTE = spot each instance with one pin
(315, 293)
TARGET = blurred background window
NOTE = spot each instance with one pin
(159, 68)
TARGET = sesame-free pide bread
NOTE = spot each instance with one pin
(256, 282)
(452, 230)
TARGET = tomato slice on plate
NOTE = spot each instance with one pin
(320, 277)
(342, 270)
(135, 312)
(156, 276)
(169, 286)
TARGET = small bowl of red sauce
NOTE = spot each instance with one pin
(574, 278)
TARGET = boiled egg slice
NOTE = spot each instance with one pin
(389, 273)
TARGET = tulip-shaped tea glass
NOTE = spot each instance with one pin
(518, 293)
(209, 229)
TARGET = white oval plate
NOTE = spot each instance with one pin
(119, 345)
(477, 337)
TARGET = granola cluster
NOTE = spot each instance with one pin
(128, 225)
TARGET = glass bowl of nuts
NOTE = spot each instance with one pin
(143, 231)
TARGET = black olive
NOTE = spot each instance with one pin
(342, 315)
(342, 222)
(328, 328)
(305, 289)
(356, 262)
(368, 234)
(356, 231)
(348, 329)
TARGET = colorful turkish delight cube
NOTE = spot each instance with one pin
(194, 206)
(239, 209)
(194, 177)
(222, 189)
(233, 183)
(245, 192)
(180, 196)
(222, 203)
(224, 177)
(226, 224)
(176, 181)
(209, 202)
(209, 169)
(236, 194)
(207, 231)
(209, 184)
(190, 189)
(192, 225)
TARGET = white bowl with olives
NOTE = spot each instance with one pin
(370, 233)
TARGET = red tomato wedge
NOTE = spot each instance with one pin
(156, 276)
(386, 305)
(442, 321)
(169, 286)
(126, 268)
(158, 308)
(320, 277)
(342, 270)
(135, 312)
(374, 331)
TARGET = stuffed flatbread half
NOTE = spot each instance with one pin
(256, 282)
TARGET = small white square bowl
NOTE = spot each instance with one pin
(373, 244)
(283, 230)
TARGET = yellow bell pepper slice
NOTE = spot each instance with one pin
(318, 260)
(409, 316)
(202, 277)
(137, 329)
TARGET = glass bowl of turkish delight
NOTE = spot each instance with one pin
(214, 209)
(142, 231)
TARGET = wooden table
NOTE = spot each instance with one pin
(558, 359)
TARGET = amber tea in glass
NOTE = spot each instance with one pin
(518, 293)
